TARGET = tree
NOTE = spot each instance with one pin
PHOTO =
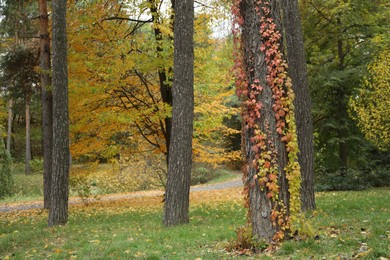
(16, 23)
(164, 70)
(120, 81)
(272, 171)
(58, 212)
(371, 103)
(9, 125)
(47, 100)
(338, 40)
(298, 72)
(20, 77)
(176, 204)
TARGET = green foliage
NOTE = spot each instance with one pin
(36, 165)
(79, 183)
(6, 180)
(19, 74)
(355, 179)
(201, 175)
(340, 41)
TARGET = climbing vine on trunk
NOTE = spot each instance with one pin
(272, 172)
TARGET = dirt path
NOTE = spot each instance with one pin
(153, 193)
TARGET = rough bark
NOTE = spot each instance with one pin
(9, 131)
(28, 134)
(260, 205)
(58, 212)
(47, 100)
(298, 72)
(176, 205)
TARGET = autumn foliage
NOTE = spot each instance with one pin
(116, 106)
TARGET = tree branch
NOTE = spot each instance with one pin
(127, 19)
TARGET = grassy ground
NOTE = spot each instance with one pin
(128, 229)
(30, 187)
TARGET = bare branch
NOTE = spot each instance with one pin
(127, 19)
(202, 4)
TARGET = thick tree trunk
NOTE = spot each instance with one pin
(176, 205)
(58, 212)
(47, 101)
(298, 72)
(9, 131)
(28, 135)
(268, 125)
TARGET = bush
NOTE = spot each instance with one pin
(36, 165)
(246, 243)
(79, 182)
(201, 175)
(355, 179)
(6, 180)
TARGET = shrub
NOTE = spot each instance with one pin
(6, 180)
(79, 182)
(245, 242)
(37, 165)
(355, 179)
(201, 175)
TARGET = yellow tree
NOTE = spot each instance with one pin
(111, 70)
(370, 106)
(120, 72)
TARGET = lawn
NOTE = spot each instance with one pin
(346, 222)
(97, 179)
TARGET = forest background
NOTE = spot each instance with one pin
(120, 58)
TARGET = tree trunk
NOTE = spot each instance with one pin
(271, 173)
(28, 139)
(342, 131)
(47, 101)
(9, 132)
(163, 75)
(298, 72)
(58, 212)
(176, 205)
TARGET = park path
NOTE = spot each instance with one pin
(236, 182)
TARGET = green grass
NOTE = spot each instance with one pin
(30, 187)
(226, 175)
(124, 230)
(27, 187)
(126, 235)
(345, 220)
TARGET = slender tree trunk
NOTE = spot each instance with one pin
(47, 100)
(58, 212)
(342, 132)
(9, 132)
(163, 75)
(298, 72)
(176, 205)
(28, 136)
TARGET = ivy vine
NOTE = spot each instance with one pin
(284, 215)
